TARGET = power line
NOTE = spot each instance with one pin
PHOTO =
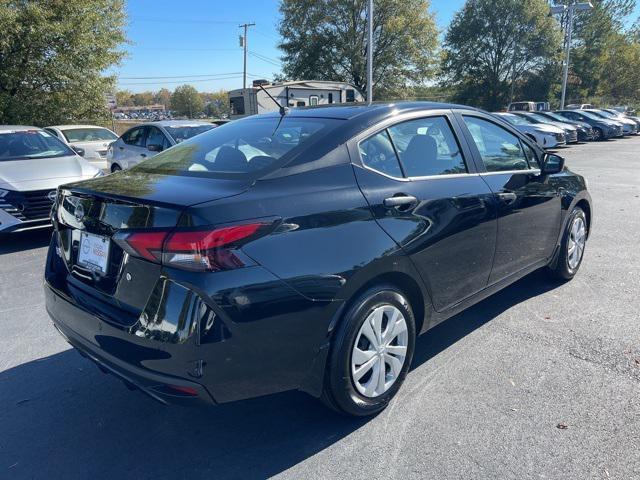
(185, 20)
(264, 58)
(187, 80)
(181, 76)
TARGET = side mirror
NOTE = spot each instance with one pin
(78, 150)
(552, 163)
(154, 147)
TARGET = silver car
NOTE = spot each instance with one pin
(33, 163)
(570, 131)
(546, 136)
(145, 141)
(92, 139)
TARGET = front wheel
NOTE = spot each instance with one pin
(371, 353)
(598, 134)
(115, 168)
(572, 247)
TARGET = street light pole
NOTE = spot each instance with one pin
(568, 35)
(370, 51)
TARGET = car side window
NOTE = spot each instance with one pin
(427, 146)
(499, 149)
(134, 137)
(155, 137)
(378, 154)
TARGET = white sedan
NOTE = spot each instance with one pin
(92, 139)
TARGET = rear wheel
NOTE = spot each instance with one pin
(371, 353)
(572, 248)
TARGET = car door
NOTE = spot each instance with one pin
(423, 189)
(529, 205)
(132, 147)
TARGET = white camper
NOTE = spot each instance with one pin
(254, 100)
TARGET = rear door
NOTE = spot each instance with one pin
(424, 190)
(529, 212)
(133, 148)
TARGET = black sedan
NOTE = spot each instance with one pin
(585, 132)
(602, 129)
(305, 250)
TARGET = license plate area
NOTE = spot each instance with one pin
(93, 253)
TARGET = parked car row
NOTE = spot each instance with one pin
(563, 127)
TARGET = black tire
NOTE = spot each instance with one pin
(598, 134)
(562, 268)
(115, 168)
(339, 392)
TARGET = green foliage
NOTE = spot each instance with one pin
(186, 101)
(216, 104)
(53, 55)
(494, 46)
(603, 61)
(326, 40)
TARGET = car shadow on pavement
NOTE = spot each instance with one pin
(23, 241)
(61, 417)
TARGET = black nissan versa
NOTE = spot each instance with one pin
(305, 249)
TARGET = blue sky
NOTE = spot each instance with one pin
(199, 39)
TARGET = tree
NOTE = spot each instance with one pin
(186, 101)
(163, 97)
(143, 98)
(53, 55)
(124, 98)
(493, 48)
(597, 34)
(216, 104)
(326, 40)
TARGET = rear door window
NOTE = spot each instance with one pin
(377, 153)
(427, 146)
(134, 137)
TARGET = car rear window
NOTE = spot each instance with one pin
(180, 133)
(88, 135)
(244, 147)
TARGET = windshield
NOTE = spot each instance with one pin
(538, 117)
(88, 135)
(249, 146)
(591, 115)
(557, 117)
(605, 114)
(30, 144)
(514, 119)
(180, 133)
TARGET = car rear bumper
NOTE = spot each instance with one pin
(73, 324)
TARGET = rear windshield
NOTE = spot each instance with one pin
(180, 133)
(244, 147)
(30, 144)
(88, 135)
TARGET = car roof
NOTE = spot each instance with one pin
(17, 128)
(68, 127)
(372, 112)
(176, 123)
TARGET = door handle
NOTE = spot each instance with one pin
(400, 202)
(121, 148)
(143, 155)
(507, 197)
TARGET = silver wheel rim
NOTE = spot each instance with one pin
(379, 351)
(576, 243)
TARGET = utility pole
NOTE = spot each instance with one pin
(243, 43)
(568, 34)
(370, 51)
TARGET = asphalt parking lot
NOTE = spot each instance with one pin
(541, 380)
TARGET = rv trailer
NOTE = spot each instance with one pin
(254, 100)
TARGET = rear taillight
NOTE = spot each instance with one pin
(206, 249)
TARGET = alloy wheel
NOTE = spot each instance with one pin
(379, 351)
(597, 134)
(576, 243)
